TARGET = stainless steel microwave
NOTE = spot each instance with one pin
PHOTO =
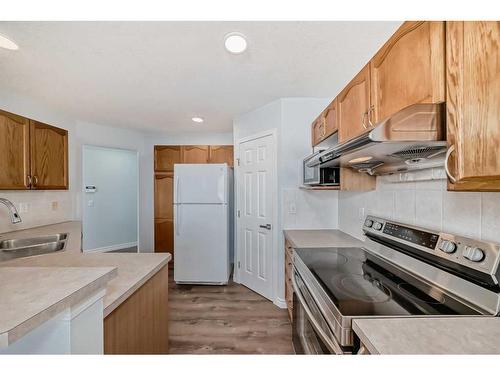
(313, 174)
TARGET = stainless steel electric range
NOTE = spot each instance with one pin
(403, 271)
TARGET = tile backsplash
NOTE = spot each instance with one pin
(305, 209)
(426, 204)
(43, 207)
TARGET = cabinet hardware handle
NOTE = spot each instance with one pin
(372, 109)
(28, 179)
(363, 117)
(446, 167)
(35, 181)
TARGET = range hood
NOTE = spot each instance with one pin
(411, 139)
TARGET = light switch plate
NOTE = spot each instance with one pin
(361, 213)
(90, 203)
(292, 208)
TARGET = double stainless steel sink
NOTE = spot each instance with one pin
(24, 247)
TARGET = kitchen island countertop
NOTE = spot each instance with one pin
(129, 271)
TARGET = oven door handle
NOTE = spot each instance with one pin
(333, 346)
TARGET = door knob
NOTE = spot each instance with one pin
(267, 226)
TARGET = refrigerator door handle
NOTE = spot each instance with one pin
(177, 190)
(221, 186)
(178, 219)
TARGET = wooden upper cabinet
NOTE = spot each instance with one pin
(164, 196)
(14, 151)
(221, 154)
(317, 130)
(330, 116)
(165, 158)
(408, 69)
(194, 154)
(353, 104)
(473, 104)
(49, 156)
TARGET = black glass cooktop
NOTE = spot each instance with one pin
(361, 284)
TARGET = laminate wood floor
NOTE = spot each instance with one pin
(228, 319)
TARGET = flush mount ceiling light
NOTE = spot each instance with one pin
(8, 44)
(198, 120)
(235, 43)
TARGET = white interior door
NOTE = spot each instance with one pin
(256, 205)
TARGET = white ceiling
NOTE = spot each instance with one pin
(155, 76)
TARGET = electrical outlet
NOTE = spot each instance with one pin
(292, 208)
(90, 203)
(55, 205)
(23, 208)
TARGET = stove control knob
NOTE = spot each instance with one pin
(368, 223)
(448, 246)
(377, 225)
(474, 254)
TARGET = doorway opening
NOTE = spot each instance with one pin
(110, 199)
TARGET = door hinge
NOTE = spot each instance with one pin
(238, 162)
(238, 213)
(239, 264)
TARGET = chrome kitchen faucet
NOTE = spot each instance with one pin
(14, 215)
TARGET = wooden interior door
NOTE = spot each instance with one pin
(14, 151)
(353, 104)
(221, 154)
(408, 69)
(194, 154)
(473, 104)
(49, 156)
(164, 212)
(165, 158)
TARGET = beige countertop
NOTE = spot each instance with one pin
(461, 335)
(318, 238)
(30, 296)
(132, 270)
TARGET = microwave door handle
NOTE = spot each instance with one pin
(333, 346)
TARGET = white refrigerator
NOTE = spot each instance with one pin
(203, 223)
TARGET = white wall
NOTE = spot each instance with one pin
(291, 117)
(110, 222)
(427, 204)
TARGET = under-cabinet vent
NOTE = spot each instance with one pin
(419, 152)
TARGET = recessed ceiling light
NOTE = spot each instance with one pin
(7, 43)
(235, 43)
(197, 119)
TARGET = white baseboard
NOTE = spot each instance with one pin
(111, 248)
(280, 302)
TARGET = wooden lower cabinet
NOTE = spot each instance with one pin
(288, 278)
(140, 324)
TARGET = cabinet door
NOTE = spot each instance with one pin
(164, 236)
(49, 156)
(221, 154)
(14, 151)
(166, 157)
(408, 69)
(330, 119)
(353, 103)
(473, 104)
(317, 130)
(164, 196)
(195, 154)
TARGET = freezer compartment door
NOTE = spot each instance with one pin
(200, 183)
(201, 244)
